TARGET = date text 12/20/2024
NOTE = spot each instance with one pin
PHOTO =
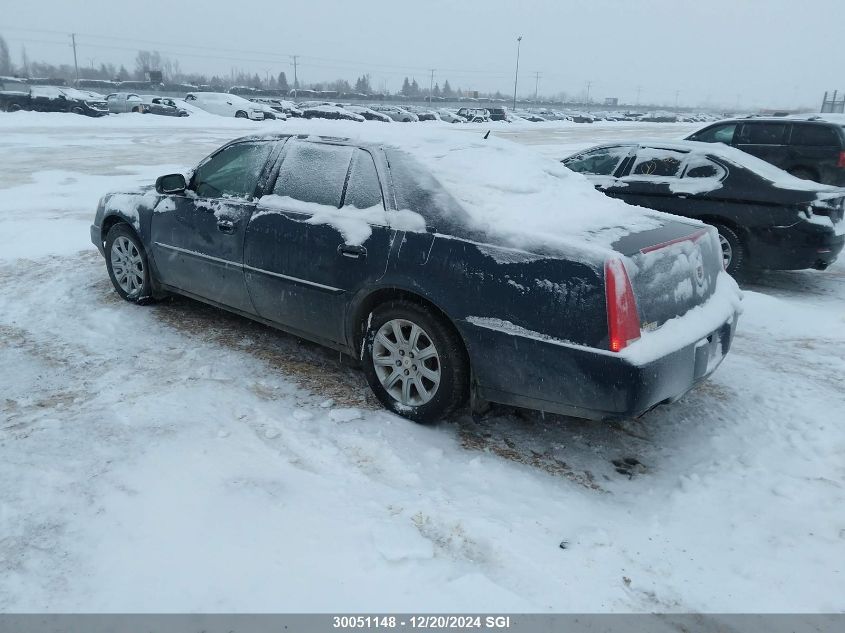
(421, 622)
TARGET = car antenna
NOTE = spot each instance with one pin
(486, 135)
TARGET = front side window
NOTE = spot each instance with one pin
(601, 162)
(232, 172)
(762, 133)
(654, 162)
(314, 172)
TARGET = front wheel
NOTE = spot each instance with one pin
(414, 362)
(733, 252)
(127, 264)
(240, 114)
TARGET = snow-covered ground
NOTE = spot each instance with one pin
(176, 458)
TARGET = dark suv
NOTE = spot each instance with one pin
(813, 149)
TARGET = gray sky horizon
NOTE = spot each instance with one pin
(719, 53)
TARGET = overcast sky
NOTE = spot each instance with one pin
(774, 53)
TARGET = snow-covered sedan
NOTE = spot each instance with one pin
(367, 113)
(766, 217)
(226, 104)
(416, 256)
(331, 112)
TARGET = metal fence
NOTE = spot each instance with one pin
(834, 102)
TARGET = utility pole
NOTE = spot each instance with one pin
(677, 92)
(516, 74)
(430, 87)
(587, 97)
(295, 81)
(75, 64)
(639, 90)
(536, 86)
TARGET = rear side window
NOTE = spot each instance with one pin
(363, 190)
(664, 163)
(815, 135)
(700, 167)
(717, 134)
(313, 172)
(601, 162)
(763, 133)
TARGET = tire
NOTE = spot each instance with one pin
(733, 251)
(138, 110)
(804, 174)
(15, 107)
(77, 110)
(446, 381)
(124, 252)
(240, 114)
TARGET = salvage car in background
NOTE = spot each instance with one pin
(54, 99)
(812, 148)
(766, 218)
(330, 112)
(369, 114)
(361, 247)
(396, 113)
(163, 106)
(226, 104)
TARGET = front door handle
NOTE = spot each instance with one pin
(352, 250)
(226, 226)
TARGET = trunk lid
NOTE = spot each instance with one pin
(672, 269)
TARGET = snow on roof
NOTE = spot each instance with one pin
(508, 190)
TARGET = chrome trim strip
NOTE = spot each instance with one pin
(250, 268)
(227, 262)
(295, 279)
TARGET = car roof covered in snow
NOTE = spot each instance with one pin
(510, 192)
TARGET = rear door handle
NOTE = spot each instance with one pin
(352, 250)
(226, 226)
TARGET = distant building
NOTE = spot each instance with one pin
(611, 101)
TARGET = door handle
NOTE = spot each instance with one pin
(226, 226)
(352, 250)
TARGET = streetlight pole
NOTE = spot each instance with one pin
(516, 74)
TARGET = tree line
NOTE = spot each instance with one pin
(146, 61)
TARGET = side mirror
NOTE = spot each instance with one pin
(172, 183)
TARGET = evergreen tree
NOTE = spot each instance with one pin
(436, 90)
(283, 82)
(447, 90)
(415, 88)
(406, 88)
(5, 58)
(362, 85)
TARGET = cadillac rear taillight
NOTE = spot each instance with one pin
(841, 162)
(623, 321)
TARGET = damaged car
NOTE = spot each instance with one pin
(446, 284)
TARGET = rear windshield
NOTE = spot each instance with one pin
(416, 189)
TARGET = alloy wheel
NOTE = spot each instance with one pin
(727, 251)
(406, 362)
(127, 265)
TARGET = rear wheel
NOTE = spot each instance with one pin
(733, 252)
(414, 362)
(240, 114)
(126, 261)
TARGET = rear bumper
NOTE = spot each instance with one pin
(584, 382)
(804, 245)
